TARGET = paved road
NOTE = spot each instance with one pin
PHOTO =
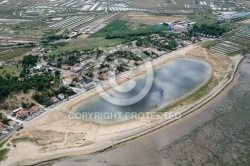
(4, 136)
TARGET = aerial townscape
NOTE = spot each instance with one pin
(124, 82)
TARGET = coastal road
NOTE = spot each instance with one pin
(217, 134)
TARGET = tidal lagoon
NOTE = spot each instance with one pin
(171, 82)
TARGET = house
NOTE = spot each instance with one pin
(103, 70)
(68, 79)
(61, 96)
(88, 84)
(74, 33)
(76, 69)
(22, 113)
(34, 108)
(12, 123)
(65, 67)
(15, 111)
(54, 99)
(3, 126)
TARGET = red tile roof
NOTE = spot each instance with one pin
(21, 113)
(34, 108)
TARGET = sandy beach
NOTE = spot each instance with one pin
(55, 136)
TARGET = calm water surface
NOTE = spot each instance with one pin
(172, 81)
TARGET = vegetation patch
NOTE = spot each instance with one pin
(122, 28)
(3, 153)
(21, 139)
(14, 53)
(205, 19)
(85, 44)
(10, 71)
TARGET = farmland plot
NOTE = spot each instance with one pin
(73, 22)
(234, 42)
(226, 47)
(240, 36)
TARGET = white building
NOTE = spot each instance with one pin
(181, 26)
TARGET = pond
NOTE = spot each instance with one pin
(170, 82)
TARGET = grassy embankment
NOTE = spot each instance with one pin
(199, 93)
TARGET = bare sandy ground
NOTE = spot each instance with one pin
(55, 135)
(148, 19)
(245, 21)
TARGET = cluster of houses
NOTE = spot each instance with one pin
(89, 70)
(4, 128)
(6, 124)
(21, 113)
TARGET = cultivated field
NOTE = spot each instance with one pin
(226, 48)
(73, 22)
(173, 4)
(232, 43)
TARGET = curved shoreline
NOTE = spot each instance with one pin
(154, 127)
(91, 94)
(165, 105)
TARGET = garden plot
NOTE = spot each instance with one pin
(73, 22)
(225, 48)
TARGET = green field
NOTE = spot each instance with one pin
(12, 70)
(86, 44)
(210, 19)
(15, 53)
(123, 28)
(202, 20)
